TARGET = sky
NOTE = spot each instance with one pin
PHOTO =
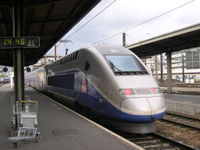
(139, 19)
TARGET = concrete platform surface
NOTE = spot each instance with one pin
(183, 90)
(60, 128)
(187, 99)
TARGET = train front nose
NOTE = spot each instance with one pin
(158, 107)
(135, 109)
(142, 109)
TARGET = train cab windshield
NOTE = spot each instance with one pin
(125, 64)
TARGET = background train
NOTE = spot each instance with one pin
(110, 81)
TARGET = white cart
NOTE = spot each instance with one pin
(25, 121)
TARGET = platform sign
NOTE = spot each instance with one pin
(20, 42)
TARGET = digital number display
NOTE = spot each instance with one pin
(20, 42)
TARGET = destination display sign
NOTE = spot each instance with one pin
(20, 42)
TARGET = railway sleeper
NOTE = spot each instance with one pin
(155, 141)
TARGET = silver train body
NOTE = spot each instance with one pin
(107, 80)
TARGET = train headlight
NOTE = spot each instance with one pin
(127, 91)
(155, 90)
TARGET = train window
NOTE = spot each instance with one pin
(87, 66)
(57, 81)
(125, 63)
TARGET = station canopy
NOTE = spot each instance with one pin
(174, 41)
(48, 19)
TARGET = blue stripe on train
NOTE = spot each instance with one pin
(110, 111)
(97, 103)
(62, 91)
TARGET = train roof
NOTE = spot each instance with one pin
(103, 49)
(111, 49)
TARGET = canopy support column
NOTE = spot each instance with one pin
(18, 54)
(169, 72)
(161, 68)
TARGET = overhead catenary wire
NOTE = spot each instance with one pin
(146, 21)
(91, 19)
(130, 28)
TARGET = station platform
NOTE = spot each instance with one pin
(60, 127)
(183, 90)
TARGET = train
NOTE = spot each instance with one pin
(109, 81)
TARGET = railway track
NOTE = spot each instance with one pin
(186, 121)
(155, 141)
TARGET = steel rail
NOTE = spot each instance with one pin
(155, 141)
(178, 119)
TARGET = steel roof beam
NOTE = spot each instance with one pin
(31, 18)
(48, 14)
(34, 3)
(44, 19)
(64, 25)
(4, 18)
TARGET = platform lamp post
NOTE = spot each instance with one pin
(55, 47)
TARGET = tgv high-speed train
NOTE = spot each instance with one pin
(110, 81)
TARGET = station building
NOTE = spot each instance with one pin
(47, 59)
(184, 63)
